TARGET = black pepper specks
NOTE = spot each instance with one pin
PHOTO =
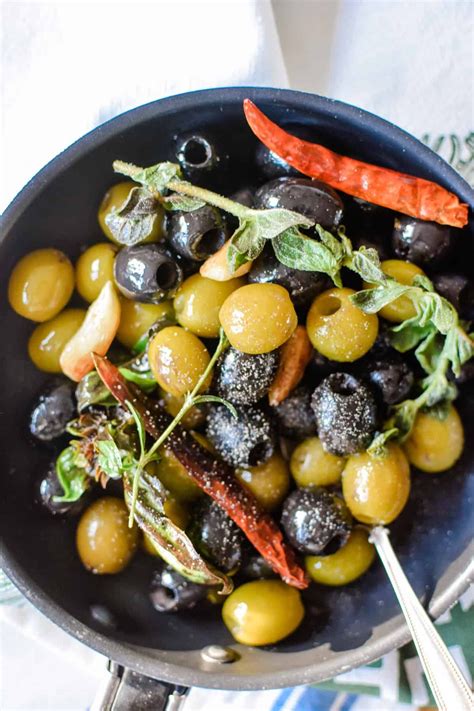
(244, 379)
(243, 442)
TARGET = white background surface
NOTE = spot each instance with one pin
(68, 66)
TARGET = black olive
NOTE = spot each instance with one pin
(302, 286)
(346, 414)
(170, 592)
(316, 522)
(271, 165)
(243, 442)
(392, 377)
(49, 488)
(421, 242)
(383, 342)
(466, 374)
(257, 568)
(311, 198)
(216, 536)
(244, 379)
(55, 407)
(459, 290)
(294, 416)
(195, 154)
(147, 273)
(244, 196)
(196, 234)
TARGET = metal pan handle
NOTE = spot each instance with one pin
(126, 690)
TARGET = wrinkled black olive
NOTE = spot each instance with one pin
(315, 521)
(392, 377)
(302, 286)
(49, 488)
(54, 409)
(196, 234)
(196, 153)
(459, 290)
(147, 272)
(294, 416)
(311, 198)
(271, 165)
(421, 242)
(244, 379)
(243, 442)
(346, 414)
(216, 536)
(170, 592)
(257, 568)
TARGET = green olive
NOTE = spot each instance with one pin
(376, 488)
(339, 330)
(262, 612)
(269, 482)
(175, 478)
(257, 318)
(347, 564)
(311, 465)
(136, 318)
(404, 272)
(49, 338)
(172, 404)
(435, 443)
(178, 359)
(113, 199)
(104, 541)
(198, 301)
(94, 268)
(41, 284)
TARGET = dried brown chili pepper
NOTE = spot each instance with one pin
(295, 355)
(215, 477)
(382, 186)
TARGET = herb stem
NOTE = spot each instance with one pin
(219, 201)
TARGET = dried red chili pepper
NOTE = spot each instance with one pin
(214, 476)
(382, 186)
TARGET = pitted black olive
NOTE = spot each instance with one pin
(244, 196)
(196, 153)
(316, 522)
(170, 592)
(216, 536)
(49, 488)
(55, 407)
(392, 377)
(421, 242)
(302, 286)
(294, 416)
(243, 442)
(346, 414)
(311, 198)
(147, 273)
(459, 290)
(271, 165)
(196, 234)
(244, 379)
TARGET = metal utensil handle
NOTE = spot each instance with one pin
(450, 689)
(126, 690)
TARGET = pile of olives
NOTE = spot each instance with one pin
(305, 459)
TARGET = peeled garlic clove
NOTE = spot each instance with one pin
(94, 336)
(216, 266)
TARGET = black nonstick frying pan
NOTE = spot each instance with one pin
(343, 627)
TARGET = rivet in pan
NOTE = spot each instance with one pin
(219, 655)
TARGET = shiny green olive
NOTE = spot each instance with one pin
(94, 268)
(104, 541)
(172, 404)
(262, 612)
(113, 199)
(175, 478)
(198, 301)
(311, 465)
(345, 565)
(41, 284)
(435, 443)
(136, 318)
(404, 272)
(47, 341)
(269, 482)
(177, 360)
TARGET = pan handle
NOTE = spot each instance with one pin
(126, 690)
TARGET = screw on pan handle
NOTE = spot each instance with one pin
(126, 690)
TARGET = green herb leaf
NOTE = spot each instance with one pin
(171, 542)
(73, 479)
(183, 203)
(297, 251)
(409, 334)
(109, 458)
(92, 391)
(423, 282)
(372, 300)
(429, 351)
(200, 399)
(145, 380)
(366, 262)
(155, 178)
(133, 221)
(235, 259)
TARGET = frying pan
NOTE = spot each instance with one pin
(343, 628)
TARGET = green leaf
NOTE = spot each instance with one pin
(409, 334)
(378, 447)
(145, 380)
(246, 240)
(366, 262)
(459, 348)
(92, 391)
(184, 203)
(171, 542)
(372, 300)
(268, 224)
(423, 282)
(133, 221)
(297, 251)
(235, 259)
(109, 458)
(200, 399)
(73, 479)
(140, 427)
(155, 178)
(429, 350)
